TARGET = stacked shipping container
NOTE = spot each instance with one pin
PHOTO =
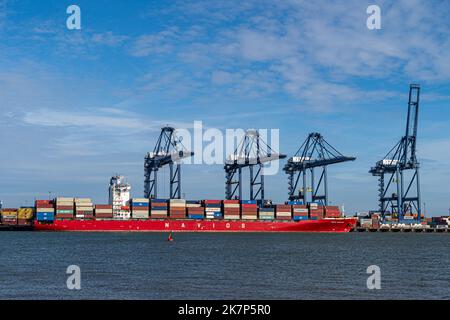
(140, 208)
(64, 208)
(177, 208)
(299, 211)
(45, 210)
(267, 213)
(231, 209)
(283, 211)
(103, 211)
(249, 210)
(25, 216)
(315, 211)
(9, 216)
(195, 210)
(213, 209)
(84, 208)
(158, 208)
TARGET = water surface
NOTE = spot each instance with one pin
(224, 266)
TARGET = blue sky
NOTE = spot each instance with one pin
(78, 106)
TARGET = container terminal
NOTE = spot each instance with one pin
(306, 210)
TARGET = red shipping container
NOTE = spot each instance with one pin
(104, 215)
(64, 207)
(283, 207)
(230, 201)
(103, 206)
(212, 201)
(249, 206)
(40, 202)
(24, 222)
(177, 215)
(64, 216)
(45, 206)
(145, 209)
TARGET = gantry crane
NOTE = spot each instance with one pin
(314, 153)
(393, 169)
(168, 151)
(251, 152)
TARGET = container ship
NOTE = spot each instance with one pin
(179, 215)
(126, 214)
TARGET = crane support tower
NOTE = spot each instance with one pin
(168, 151)
(398, 171)
(314, 153)
(251, 152)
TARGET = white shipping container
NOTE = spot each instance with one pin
(231, 217)
(177, 201)
(140, 215)
(177, 205)
(193, 205)
(65, 203)
(283, 214)
(103, 210)
(64, 199)
(300, 210)
(45, 210)
(231, 205)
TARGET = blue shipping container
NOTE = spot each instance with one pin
(248, 201)
(159, 200)
(295, 202)
(266, 210)
(42, 216)
(196, 216)
(213, 205)
(139, 204)
(298, 218)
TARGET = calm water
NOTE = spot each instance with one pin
(224, 266)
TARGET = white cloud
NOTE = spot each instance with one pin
(94, 132)
(158, 43)
(53, 118)
(314, 51)
(108, 38)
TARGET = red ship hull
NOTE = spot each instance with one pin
(185, 225)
